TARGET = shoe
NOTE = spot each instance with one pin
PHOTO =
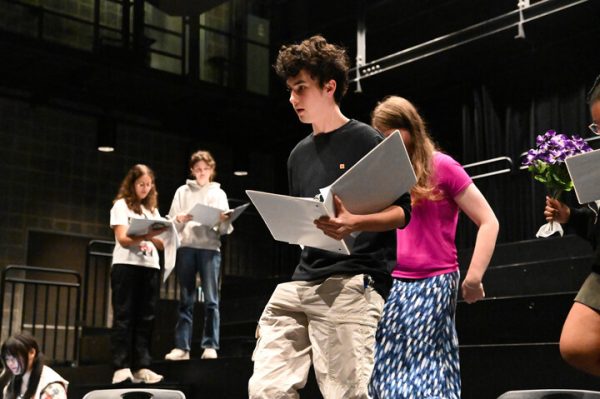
(209, 353)
(177, 354)
(122, 375)
(146, 376)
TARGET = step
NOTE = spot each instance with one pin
(489, 371)
(513, 320)
(537, 277)
(533, 250)
(223, 378)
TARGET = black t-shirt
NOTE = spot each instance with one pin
(316, 162)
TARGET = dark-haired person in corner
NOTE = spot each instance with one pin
(28, 377)
(580, 338)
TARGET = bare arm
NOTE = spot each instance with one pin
(127, 241)
(345, 222)
(475, 206)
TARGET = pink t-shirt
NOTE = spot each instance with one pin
(426, 247)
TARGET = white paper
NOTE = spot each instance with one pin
(139, 227)
(170, 240)
(206, 215)
(549, 229)
(234, 214)
(210, 216)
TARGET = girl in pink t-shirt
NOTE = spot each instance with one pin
(416, 354)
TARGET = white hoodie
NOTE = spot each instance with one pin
(193, 234)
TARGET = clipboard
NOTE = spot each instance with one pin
(584, 170)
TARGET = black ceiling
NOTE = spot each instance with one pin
(564, 42)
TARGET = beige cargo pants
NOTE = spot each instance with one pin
(331, 323)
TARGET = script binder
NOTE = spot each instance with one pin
(139, 226)
(372, 184)
(210, 216)
(291, 219)
(377, 180)
(585, 174)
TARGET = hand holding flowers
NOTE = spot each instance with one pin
(546, 162)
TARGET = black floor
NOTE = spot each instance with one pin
(509, 341)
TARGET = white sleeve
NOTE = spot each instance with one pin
(222, 202)
(119, 214)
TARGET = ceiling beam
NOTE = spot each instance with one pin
(510, 20)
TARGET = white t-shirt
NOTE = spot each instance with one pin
(142, 254)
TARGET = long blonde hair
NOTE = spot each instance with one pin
(395, 112)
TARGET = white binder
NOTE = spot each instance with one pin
(139, 226)
(210, 216)
(585, 174)
(371, 185)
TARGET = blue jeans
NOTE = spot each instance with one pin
(207, 262)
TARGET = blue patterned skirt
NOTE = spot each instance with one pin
(416, 354)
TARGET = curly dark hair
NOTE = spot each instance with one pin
(127, 190)
(323, 61)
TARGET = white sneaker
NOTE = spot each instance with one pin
(122, 375)
(177, 354)
(209, 353)
(146, 376)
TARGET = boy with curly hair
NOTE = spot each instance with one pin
(329, 312)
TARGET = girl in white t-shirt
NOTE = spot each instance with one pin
(135, 278)
(24, 369)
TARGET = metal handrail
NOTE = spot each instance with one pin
(87, 274)
(6, 278)
(491, 161)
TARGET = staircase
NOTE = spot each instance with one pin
(509, 340)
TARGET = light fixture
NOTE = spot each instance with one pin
(240, 162)
(107, 134)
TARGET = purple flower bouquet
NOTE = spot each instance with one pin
(547, 164)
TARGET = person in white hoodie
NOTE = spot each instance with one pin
(199, 253)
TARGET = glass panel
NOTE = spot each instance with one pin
(165, 63)
(214, 57)
(77, 8)
(257, 69)
(19, 19)
(110, 14)
(218, 18)
(163, 41)
(154, 16)
(68, 32)
(257, 55)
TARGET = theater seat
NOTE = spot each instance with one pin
(550, 394)
(134, 393)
